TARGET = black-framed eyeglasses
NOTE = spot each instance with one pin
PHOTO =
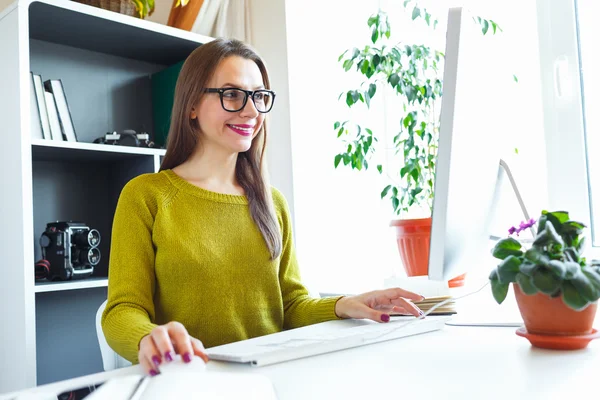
(235, 99)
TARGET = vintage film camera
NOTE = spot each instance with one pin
(69, 251)
(128, 137)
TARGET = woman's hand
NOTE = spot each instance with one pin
(164, 342)
(378, 304)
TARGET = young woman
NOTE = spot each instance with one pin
(202, 251)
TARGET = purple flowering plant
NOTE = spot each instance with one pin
(552, 265)
(522, 226)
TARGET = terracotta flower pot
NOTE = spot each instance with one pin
(544, 315)
(413, 238)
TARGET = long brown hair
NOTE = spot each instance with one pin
(184, 133)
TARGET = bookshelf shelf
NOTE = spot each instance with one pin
(42, 287)
(85, 27)
(43, 150)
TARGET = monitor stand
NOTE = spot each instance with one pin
(502, 169)
(482, 321)
(507, 314)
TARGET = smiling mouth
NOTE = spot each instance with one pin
(243, 130)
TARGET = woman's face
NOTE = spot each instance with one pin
(230, 131)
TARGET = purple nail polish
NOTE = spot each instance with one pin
(169, 356)
(187, 357)
(421, 313)
(156, 360)
(153, 372)
(385, 318)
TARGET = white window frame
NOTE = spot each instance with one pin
(567, 173)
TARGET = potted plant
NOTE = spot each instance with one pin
(414, 73)
(555, 288)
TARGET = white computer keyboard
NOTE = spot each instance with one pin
(322, 338)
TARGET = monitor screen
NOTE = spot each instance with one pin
(469, 148)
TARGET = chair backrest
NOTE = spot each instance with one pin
(110, 359)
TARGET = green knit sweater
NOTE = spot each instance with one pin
(186, 254)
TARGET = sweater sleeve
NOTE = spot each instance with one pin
(129, 312)
(299, 308)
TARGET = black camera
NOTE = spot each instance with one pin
(128, 137)
(69, 250)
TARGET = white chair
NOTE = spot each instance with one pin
(110, 359)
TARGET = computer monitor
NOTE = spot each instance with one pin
(468, 168)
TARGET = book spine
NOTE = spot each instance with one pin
(53, 117)
(41, 105)
(62, 106)
(35, 124)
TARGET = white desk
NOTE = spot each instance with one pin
(454, 363)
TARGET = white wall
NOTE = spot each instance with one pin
(4, 4)
(162, 8)
(269, 38)
(343, 237)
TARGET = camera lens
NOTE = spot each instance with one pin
(93, 238)
(45, 240)
(86, 238)
(79, 238)
(93, 256)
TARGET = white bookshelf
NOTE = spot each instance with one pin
(54, 148)
(43, 287)
(105, 61)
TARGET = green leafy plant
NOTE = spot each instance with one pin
(143, 8)
(553, 265)
(414, 73)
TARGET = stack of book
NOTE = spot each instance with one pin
(448, 308)
(50, 113)
(435, 292)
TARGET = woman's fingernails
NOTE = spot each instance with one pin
(385, 317)
(422, 297)
(421, 313)
(187, 357)
(156, 360)
(153, 372)
(169, 356)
